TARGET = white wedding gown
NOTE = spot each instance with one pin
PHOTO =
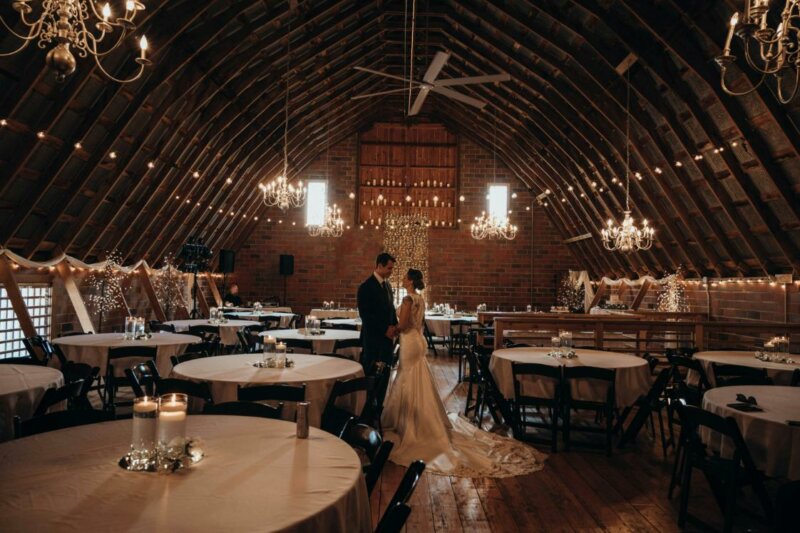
(414, 418)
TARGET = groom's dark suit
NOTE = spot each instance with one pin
(376, 308)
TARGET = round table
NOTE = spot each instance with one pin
(773, 444)
(439, 325)
(21, 390)
(334, 313)
(319, 373)
(781, 373)
(93, 349)
(633, 373)
(284, 319)
(324, 343)
(352, 322)
(227, 331)
(256, 476)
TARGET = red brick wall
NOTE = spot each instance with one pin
(463, 271)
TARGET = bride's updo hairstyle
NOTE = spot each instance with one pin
(416, 278)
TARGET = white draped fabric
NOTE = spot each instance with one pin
(21, 390)
(319, 373)
(633, 373)
(781, 373)
(324, 343)
(256, 476)
(93, 349)
(227, 331)
(774, 444)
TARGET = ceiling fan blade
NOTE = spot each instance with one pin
(385, 75)
(474, 79)
(423, 93)
(435, 67)
(460, 97)
(360, 96)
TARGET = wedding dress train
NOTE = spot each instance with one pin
(414, 418)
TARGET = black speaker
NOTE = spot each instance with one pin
(287, 265)
(227, 258)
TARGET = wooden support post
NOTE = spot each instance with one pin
(601, 289)
(201, 300)
(9, 281)
(75, 298)
(637, 301)
(498, 333)
(699, 337)
(144, 277)
(214, 291)
(599, 332)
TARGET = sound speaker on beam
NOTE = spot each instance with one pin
(286, 269)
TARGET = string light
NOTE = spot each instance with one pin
(169, 286)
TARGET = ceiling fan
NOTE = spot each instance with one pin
(430, 83)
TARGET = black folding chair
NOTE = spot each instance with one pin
(603, 408)
(272, 393)
(244, 409)
(334, 417)
(369, 441)
(523, 400)
(69, 393)
(398, 510)
(58, 420)
(737, 375)
(182, 358)
(158, 326)
(292, 345)
(726, 476)
(348, 344)
(193, 389)
(646, 405)
(112, 381)
(795, 378)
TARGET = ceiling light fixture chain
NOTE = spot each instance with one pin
(280, 192)
(627, 237)
(68, 23)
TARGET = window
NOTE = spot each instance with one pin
(498, 201)
(316, 202)
(37, 299)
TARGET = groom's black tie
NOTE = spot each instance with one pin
(388, 290)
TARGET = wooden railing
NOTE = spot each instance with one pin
(636, 334)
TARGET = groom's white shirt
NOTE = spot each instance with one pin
(379, 278)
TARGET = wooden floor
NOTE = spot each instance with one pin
(578, 490)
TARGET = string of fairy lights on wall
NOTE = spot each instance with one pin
(548, 195)
(113, 155)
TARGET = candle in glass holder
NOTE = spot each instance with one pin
(143, 439)
(269, 348)
(280, 355)
(172, 419)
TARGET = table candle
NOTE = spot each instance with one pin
(172, 418)
(143, 439)
(280, 355)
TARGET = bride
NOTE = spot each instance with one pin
(414, 417)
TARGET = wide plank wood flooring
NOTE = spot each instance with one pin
(579, 490)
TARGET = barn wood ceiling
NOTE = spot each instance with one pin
(213, 104)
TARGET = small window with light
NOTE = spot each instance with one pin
(316, 202)
(498, 202)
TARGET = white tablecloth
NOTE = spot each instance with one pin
(276, 309)
(334, 313)
(774, 445)
(227, 331)
(319, 373)
(321, 343)
(93, 349)
(354, 322)
(633, 373)
(21, 390)
(256, 476)
(439, 326)
(283, 318)
(781, 373)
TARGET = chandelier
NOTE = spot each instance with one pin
(77, 24)
(279, 192)
(768, 51)
(332, 226)
(627, 237)
(489, 227)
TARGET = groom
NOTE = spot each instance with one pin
(378, 316)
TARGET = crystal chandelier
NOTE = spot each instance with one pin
(489, 227)
(768, 51)
(72, 23)
(279, 192)
(627, 237)
(332, 226)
